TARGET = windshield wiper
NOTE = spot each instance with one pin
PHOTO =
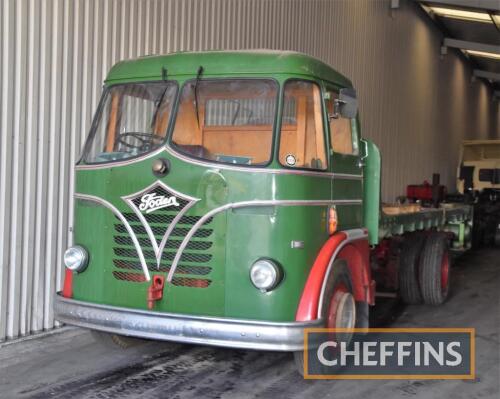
(164, 78)
(198, 76)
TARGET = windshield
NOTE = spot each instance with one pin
(133, 120)
(227, 120)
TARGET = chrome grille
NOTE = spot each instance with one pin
(195, 260)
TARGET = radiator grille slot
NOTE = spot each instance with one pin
(190, 282)
(181, 269)
(166, 256)
(163, 219)
(171, 244)
(127, 276)
(159, 231)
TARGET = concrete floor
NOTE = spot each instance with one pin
(69, 364)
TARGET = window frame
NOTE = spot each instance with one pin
(330, 88)
(97, 118)
(325, 138)
(173, 147)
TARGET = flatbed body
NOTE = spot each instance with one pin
(442, 218)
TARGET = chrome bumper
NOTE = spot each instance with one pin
(227, 332)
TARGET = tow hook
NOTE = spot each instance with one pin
(155, 290)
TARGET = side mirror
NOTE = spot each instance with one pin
(346, 105)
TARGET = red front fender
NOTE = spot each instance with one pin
(357, 257)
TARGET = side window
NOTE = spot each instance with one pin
(302, 142)
(343, 134)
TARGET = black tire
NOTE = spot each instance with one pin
(116, 340)
(339, 275)
(362, 315)
(477, 239)
(434, 254)
(408, 270)
(497, 236)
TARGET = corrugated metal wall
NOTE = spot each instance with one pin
(55, 54)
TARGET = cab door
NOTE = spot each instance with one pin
(345, 159)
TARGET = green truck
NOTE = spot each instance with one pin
(227, 198)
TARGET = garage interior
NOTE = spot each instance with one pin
(427, 75)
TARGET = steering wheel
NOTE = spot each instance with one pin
(146, 140)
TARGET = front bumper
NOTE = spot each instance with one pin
(227, 332)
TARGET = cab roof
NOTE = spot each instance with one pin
(225, 63)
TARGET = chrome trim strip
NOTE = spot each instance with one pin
(169, 231)
(227, 332)
(120, 163)
(346, 176)
(244, 204)
(352, 235)
(340, 176)
(144, 223)
(125, 223)
(158, 249)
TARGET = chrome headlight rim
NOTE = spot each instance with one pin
(76, 258)
(276, 274)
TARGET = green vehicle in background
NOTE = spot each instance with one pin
(227, 198)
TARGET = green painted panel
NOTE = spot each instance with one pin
(371, 194)
(225, 63)
(270, 236)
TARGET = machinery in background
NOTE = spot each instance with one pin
(478, 183)
(426, 193)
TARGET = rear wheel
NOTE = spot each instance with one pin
(477, 234)
(408, 270)
(116, 340)
(434, 273)
(339, 307)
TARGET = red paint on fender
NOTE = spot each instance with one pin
(308, 305)
(356, 254)
(67, 291)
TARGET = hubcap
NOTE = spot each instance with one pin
(346, 313)
(342, 312)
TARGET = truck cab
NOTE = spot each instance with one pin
(219, 200)
(479, 168)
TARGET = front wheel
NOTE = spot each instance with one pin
(339, 307)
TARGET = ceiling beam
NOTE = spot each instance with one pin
(465, 45)
(486, 75)
(487, 5)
